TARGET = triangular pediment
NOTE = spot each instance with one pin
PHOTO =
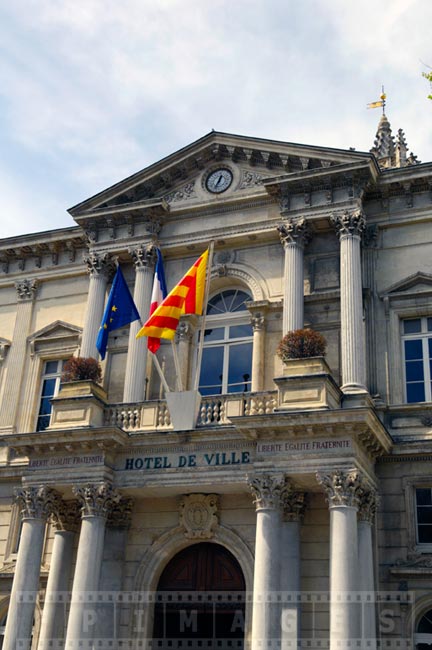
(181, 177)
(416, 283)
(57, 335)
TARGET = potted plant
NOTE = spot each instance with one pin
(307, 382)
(81, 399)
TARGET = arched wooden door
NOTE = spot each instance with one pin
(200, 598)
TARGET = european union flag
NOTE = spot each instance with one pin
(119, 311)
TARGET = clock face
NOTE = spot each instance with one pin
(219, 180)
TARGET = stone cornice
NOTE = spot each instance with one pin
(69, 440)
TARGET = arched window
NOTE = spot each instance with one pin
(227, 353)
(423, 638)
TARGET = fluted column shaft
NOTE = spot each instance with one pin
(99, 268)
(35, 504)
(53, 624)
(136, 363)
(294, 234)
(350, 226)
(265, 614)
(96, 502)
(342, 490)
(290, 585)
(26, 292)
(366, 517)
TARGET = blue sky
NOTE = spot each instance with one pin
(92, 91)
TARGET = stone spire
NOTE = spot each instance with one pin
(388, 151)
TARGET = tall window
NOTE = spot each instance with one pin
(424, 515)
(423, 638)
(50, 386)
(227, 354)
(417, 348)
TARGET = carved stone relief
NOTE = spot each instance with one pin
(199, 515)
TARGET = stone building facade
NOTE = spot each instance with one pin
(298, 511)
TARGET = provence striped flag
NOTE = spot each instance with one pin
(187, 297)
(159, 293)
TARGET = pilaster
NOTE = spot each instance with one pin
(258, 312)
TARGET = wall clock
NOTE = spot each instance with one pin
(219, 180)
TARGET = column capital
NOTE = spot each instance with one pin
(349, 223)
(293, 502)
(143, 256)
(258, 321)
(120, 514)
(98, 264)
(36, 502)
(368, 504)
(26, 289)
(96, 500)
(342, 488)
(266, 491)
(186, 327)
(66, 516)
(294, 231)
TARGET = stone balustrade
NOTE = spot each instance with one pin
(215, 410)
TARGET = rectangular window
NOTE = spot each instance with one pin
(417, 351)
(50, 386)
(424, 515)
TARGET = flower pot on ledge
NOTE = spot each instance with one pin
(307, 384)
(78, 404)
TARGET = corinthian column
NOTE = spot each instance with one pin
(350, 226)
(99, 267)
(144, 258)
(294, 235)
(342, 489)
(36, 505)
(267, 492)
(293, 503)
(366, 519)
(26, 293)
(66, 520)
(258, 321)
(96, 502)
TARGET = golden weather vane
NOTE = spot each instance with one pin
(381, 102)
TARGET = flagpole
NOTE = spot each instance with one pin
(203, 317)
(177, 366)
(160, 372)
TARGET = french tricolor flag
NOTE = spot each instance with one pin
(159, 293)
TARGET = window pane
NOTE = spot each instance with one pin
(413, 349)
(415, 392)
(211, 371)
(240, 364)
(43, 422)
(45, 406)
(424, 496)
(48, 387)
(412, 325)
(240, 331)
(425, 534)
(238, 303)
(215, 334)
(424, 515)
(430, 348)
(414, 371)
(429, 324)
(51, 367)
(216, 305)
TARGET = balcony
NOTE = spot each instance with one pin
(215, 411)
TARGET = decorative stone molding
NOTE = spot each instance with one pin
(184, 331)
(349, 223)
(96, 500)
(293, 502)
(250, 179)
(37, 502)
(368, 503)
(258, 321)
(26, 289)
(143, 256)
(199, 515)
(66, 516)
(4, 347)
(98, 264)
(154, 226)
(181, 194)
(294, 231)
(266, 491)
(342, 488)
(120, 514)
